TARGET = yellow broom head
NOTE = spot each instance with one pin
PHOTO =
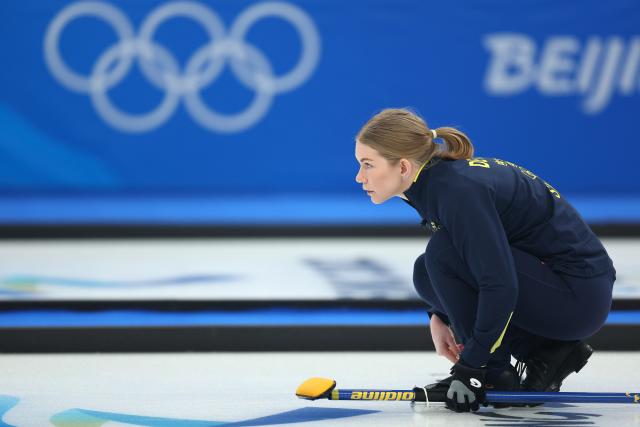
(315, 388)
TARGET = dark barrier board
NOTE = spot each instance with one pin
(280, 338)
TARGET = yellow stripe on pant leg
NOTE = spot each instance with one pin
(499, 341)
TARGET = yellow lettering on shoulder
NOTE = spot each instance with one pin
(527, 172)
(479, 162)
(552, 190)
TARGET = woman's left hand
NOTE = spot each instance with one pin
(443, 340)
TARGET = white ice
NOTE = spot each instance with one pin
(232, 387)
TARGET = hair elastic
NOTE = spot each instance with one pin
(434, 133)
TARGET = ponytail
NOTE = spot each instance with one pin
(458, 144)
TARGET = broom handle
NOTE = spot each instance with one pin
(418, 395)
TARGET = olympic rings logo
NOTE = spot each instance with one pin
(162, 70)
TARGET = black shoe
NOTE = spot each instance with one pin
(549, 365)
(440, 385)
(508, 380)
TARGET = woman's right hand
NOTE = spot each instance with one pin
(443, 340)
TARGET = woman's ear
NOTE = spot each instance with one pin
(405, 168)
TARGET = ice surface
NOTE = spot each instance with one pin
(254, 389)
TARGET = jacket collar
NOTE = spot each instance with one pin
(421, 177)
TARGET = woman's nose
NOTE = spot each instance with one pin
(359, 177)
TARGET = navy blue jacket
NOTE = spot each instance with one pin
(487, 205)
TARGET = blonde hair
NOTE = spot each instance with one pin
(399, 133)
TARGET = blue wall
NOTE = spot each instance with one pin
(533, 82)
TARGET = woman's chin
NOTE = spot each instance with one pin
(377, 200)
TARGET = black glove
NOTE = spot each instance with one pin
(467, 389)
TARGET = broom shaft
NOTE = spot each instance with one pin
(491, 396)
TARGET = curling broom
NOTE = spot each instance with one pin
(324, 388)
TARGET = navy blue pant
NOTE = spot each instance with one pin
(549, 306)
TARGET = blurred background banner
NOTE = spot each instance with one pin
(214, 112)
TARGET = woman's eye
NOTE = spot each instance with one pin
(367, 165)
